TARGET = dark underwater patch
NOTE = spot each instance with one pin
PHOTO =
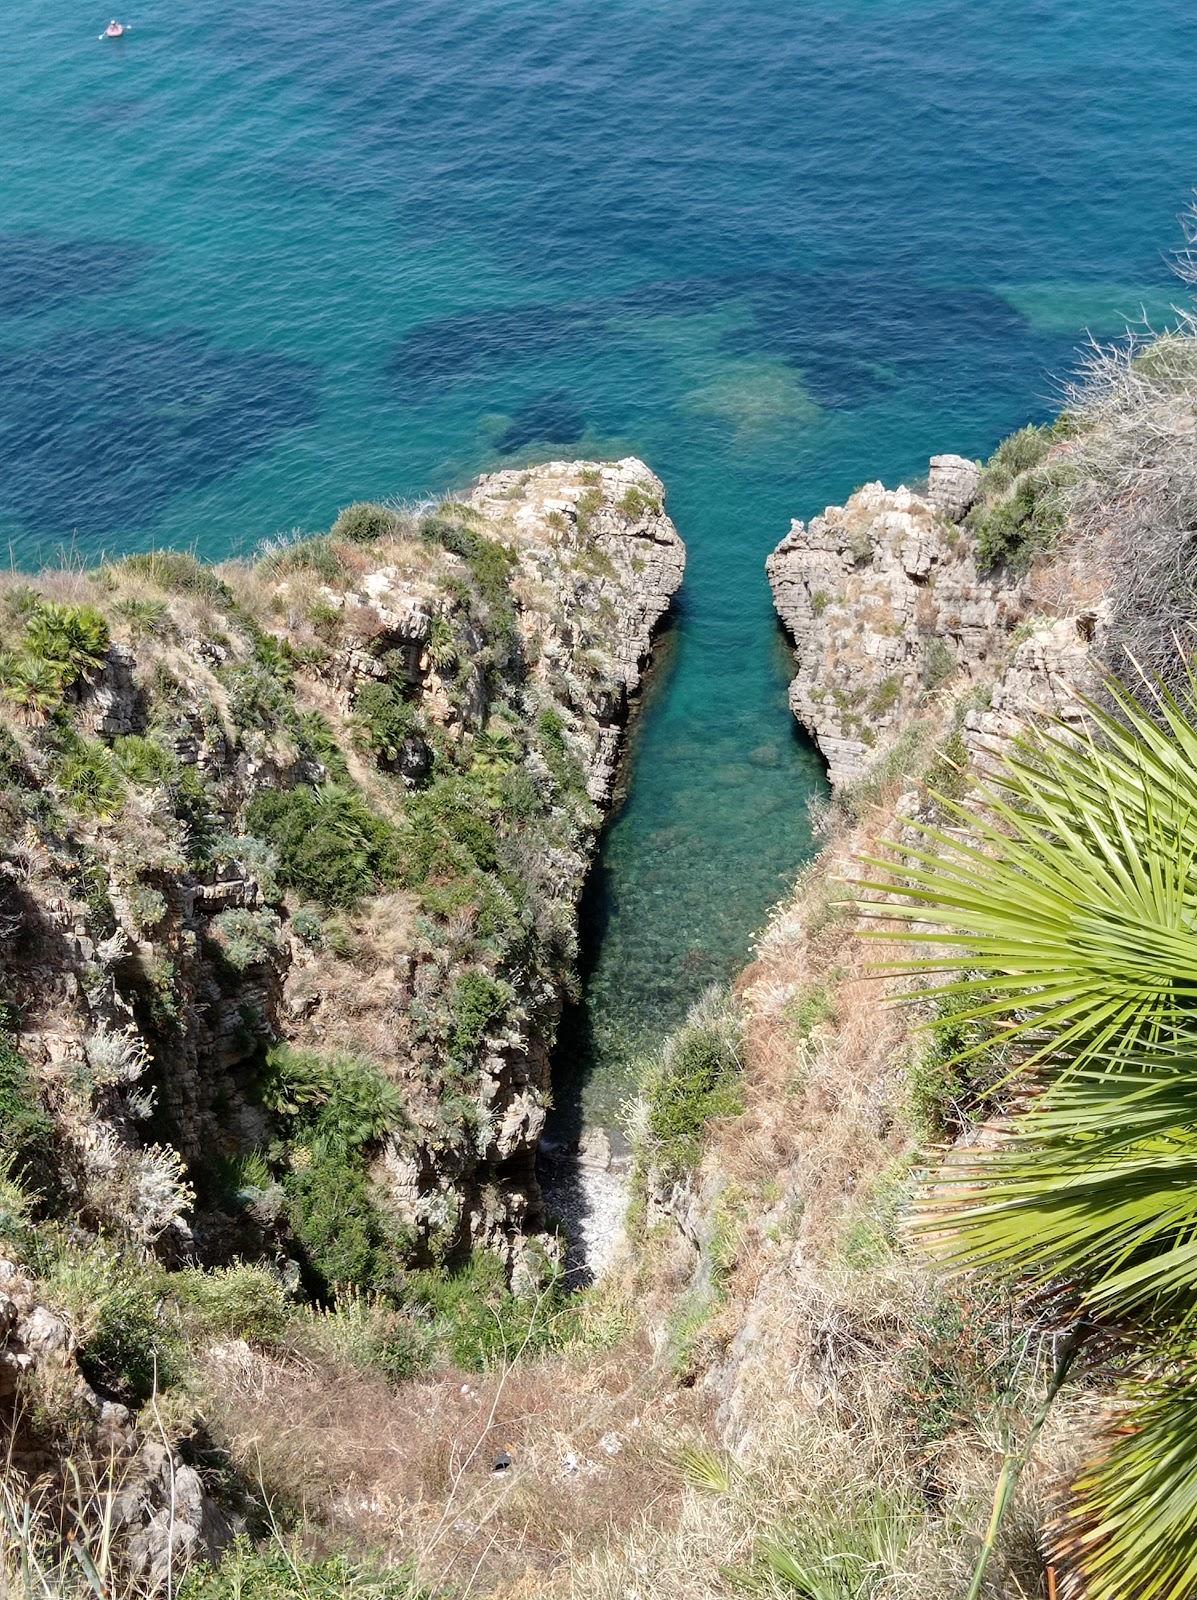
(471, 343)
(852, 336)
(98, 431)
(551, 418)
(39, 274)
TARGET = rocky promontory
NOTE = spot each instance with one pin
(290, 856)
(883, 600)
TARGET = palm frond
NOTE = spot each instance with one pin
(1071, 897)
(1130, 1526)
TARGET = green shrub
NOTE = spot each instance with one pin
(147, 906)
(885, 695)
(944, 1095)
(331, 847)
(237, 1302)
(316, 554)
(247, 938)
(1015, 455)
(143, 760)
(449, 831)
(179, 572)
(317, 742)
(562, 763)
(33, 686)
(1021, 509)
(695, 1079)
(588, 506)
(939, 663)
(491, 565)
(383, 720)
(257, 697)
(145, 619)
(333, 1216)
(26, 1131)
(72, 638)
(366, 1332)
(1028, 520)
(128, 1328)
(89, 778)
(274, 1572)
(336, 1101)
(478, 1000)
(365, 522)
(478, 1320)
(307, 924)
(637, 501)
(278, 656)
(334, 1108)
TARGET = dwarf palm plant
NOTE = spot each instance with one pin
(1066, 890)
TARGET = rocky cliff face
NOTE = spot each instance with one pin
(343, 798)
(887, 608)
(290, 852)
(884, 603)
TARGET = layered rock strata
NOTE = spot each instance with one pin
(884, 602)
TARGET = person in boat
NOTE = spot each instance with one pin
(114, 29)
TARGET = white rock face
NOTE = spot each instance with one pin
(594, 541)
(1048, 673)
(884, 601)
(952, 485)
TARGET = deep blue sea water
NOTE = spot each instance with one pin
(258, 261)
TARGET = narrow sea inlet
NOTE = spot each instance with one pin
(253, 272)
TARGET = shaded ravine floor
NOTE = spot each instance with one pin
(674, 900)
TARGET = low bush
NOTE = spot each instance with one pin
(366, 522)
(695, 1079)
(237, 1302)
(276, 1572)
(317, 554)
(476, 1318)
(144, 760)
(179, 572)
(89, 778)
(145, 619)
(72, 638)
(383, 721)
(129, 1330)
(26, 1130)
(1016, 454)
(478, 1000)
(366, 1332)
(637, 501)
(1025, 522)
(331, 847)
(944, 1094)
(258, 698)
(449, 831)
(334, 1108)
(247, 938)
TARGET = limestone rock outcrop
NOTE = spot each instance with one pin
(595, 543)
(884, 602)
(1048, 673)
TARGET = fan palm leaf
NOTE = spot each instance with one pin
(1066, 891)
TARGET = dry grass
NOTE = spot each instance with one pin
(412, 1473)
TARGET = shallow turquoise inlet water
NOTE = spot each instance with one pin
(261, 261)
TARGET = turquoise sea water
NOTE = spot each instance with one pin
(259, 261)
